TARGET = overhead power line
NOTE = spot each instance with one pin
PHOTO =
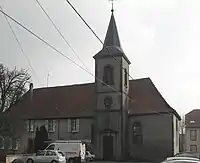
(50, 19)
(95, 34)
(21, 48)
(62, 54)
(52, 47)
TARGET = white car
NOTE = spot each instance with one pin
(47, 156)
(181, 160)
(89, 156)
(75, 150)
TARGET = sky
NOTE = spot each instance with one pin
(160, 37)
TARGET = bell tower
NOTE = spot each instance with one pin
(112, 86)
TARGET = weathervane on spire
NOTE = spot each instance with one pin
(112, 1)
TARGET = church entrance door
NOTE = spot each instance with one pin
(107, 147)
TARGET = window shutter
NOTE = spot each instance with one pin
(10, 143)
(77, 125)
(18, 143)
(46, 125)
(34, 126)
(54, 125)
(2, 142)
(26, 125)
(69, 125)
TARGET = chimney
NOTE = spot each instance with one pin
(31, 91)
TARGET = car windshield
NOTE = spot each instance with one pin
(194, 155)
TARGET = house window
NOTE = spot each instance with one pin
(51, 125)
(73, 125)
(193, 135)
(108, 75)
(1, 142)
(30, 125)
(193, 148)
(137, 133)
(16, 144)
(125, 78)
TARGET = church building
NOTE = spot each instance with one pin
(121, 118)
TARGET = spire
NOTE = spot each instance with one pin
(112, 37)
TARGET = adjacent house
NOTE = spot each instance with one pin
(121, 118)
(192, 138)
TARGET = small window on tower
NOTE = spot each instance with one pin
(125, 78)
(108, 75)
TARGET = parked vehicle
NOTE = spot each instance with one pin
(43, 156)
(75, 150)
(89, 156)
(188, 154)
(181, 160)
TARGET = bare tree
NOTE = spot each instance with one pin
(12, 87)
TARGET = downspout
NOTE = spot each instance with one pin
(58, 129)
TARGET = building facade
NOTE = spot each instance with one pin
(192, 132)
(121, 118)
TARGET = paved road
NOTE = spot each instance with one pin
(116, 162)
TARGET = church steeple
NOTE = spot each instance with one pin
(112, 46)
(112, 37)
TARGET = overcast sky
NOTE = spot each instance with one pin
(160, 37)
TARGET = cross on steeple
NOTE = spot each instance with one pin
(112, 2)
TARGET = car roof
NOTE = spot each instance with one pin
(182, 158)
(45, 150)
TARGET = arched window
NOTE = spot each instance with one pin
(137, 133)
(108, 75)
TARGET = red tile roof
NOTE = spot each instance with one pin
(79, 101)
(192, 119)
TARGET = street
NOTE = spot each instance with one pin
(115, 162)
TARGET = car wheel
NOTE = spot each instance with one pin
(71, 160)
(29, 161)
(54, 161)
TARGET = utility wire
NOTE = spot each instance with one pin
(84, 21)
(62, 54)
(55, 49)
(50, 19)
(21, 48)
(95, 34)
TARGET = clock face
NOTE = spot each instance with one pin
(108, 101)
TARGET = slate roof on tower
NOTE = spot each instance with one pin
(112, 36)
(112, 46)
(79, 101)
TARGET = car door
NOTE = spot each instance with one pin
(49, 156)
(39, 157)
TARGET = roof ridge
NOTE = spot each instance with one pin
(192, 111)
(71, 85)
(82, 84)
